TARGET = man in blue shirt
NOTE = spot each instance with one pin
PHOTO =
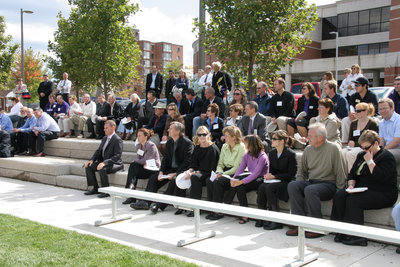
(263, 99)
(389, 127)
(341, 107)
(395, 95)
(20, 136)
(5, 121)
(46, 128)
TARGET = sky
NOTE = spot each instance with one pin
(159, 20)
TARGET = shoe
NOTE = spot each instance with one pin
(141, 205)
(244, 220)
(273, 226)
(79, 136)
(313, 235)
(398, 250)
(92, 192)
(356, 241)
(293, 232)
(100, 137)
(179, 212)
(92, 136)
(62, 134)
(260, 223)
(154, 208)
(340, 237)
(31, 153)
(214, 216)
(129, 200)
(103, 195)
(67, 135)
(190, 214)
(41, 154)
(23, 153)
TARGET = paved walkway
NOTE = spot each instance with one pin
(234, 244)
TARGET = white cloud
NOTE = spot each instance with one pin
(156, 26)
(33, 32)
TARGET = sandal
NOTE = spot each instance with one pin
(244, 220)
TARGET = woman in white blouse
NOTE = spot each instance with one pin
(63, 122)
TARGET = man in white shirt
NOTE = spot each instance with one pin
(345, 83)
(64, 87)
(80, 117)
(205, 80)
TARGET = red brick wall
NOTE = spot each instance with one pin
(312, 51)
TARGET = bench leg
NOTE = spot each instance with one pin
(197, 235)
(302, 259)
(113, 215)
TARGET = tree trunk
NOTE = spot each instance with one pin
(250, 77)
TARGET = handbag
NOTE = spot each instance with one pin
(26, 95)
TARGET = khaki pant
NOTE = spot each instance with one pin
(79, 120)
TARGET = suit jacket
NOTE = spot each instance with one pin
(103, 110)
(47, 89)
(195, 109)
(112, 152)
(221, 82)
(148, 109)
(170, 83)
(259, 124)
(183, 155)
(312, 107)
(117, 112)
(184, 107)
(158, 83)
(219, 102)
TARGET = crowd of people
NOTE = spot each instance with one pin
(350, 143)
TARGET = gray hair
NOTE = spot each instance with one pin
(217, 63)
(211, 90)
(176, 92)
(178, 127)
(319, 128)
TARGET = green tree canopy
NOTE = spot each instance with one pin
(174, 65)
(7, 54)
(95, 45)
(255, 38)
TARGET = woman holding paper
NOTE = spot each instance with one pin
(372, 184)
(204, 160)
(283, 168)
(214, 124)
(257, 163)
(131, 114)
(147, 162)
(229, 161)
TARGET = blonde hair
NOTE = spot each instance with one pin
(202, 128)
(367, 106)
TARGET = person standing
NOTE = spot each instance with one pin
(20, 90)
(64, 87)
(221, 81)
(205, 81)
(169, 84)
(44, 91)
(154, 81)
(105, 160)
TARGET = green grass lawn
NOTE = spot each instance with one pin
(27, 243)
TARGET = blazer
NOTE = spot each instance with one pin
(259, 124)
(184, 107)
(312, 107)
(183, 155)
(117, 112)
(103, 110)
(215, 130)
(195, 109)
(112, 153)
(219, 102)
(148, 110)
(149, 152)
(158, 83)
(169, 84)
(221, 82)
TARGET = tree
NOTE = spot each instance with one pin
(95, 45)
(174, 65)
(34, 69)
(255, 38)
(7, 54)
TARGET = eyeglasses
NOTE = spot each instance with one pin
(275, 139)
(201, 134)
(171, 109)
(236, 93)
(366, 148)
(357, 85)
(360, 110)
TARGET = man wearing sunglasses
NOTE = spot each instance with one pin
(362, 95)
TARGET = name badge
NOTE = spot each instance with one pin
(255, 131)
(358, 100)
(140, 152)
(215, 127)
(279, 103)
(310, 107)
(59, 109)
(356, 133)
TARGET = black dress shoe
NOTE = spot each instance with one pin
(340, 237)
(91, 192)
(103, 195)
(129, 200)
(355, 241)
(154, 208)
(190, 214)
(259, 223)
(179, 212)
(92, 136)
(31, 153)
(215, 216)
(141, 205)
(23, 153)
(398, 250)
(273, 226)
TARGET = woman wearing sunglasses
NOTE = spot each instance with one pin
(283, 168)
(204, 160)
(239, 97)
(214, 124)
(375, 171)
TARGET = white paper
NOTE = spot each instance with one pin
(162, 177)
(271, 181)
(151, 163)
(356, 133)
(301, 115)
(213, 176)
(357, 190)
(298, 137)
(125, 120)
(163, 142)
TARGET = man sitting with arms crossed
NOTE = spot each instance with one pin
(21, 135)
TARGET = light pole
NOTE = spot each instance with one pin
(337, 53)
(22, 42)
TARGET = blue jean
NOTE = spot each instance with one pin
(396, 216)
(197, 121)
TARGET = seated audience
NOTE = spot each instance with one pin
(229, 161)
(148, 108)
(214, 124)
(308, 103)
(235, 115)
(253, 122)
(282, 170)
(63, 121)
(239, 97)
(61, 108)
(138, 169)
(5, 144)
(20, 136)
(46, 128)
(263, 100)
(177, 160)
(105, 160)
(328, 118)
(395, 95)
(375, 169)
(173, 115)
(389, 127)
(157, 122)
(340, 106)
(5, 121)
(15, 112)
(196, 105)
(132, 113)
(116, 109)
(281, 105)
(50, 107)
(204, 160)
(103, 110)
(182, 82)
(257, 163)
(327, 77)
(79, 118)
(182, 103)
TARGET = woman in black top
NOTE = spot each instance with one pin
(308, 103)
(283, 168)
(132, 112)
(221, 81)
(214, 124)
(204, 160)
(375, 169)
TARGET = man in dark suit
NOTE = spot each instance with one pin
(177, 160)
(181, 102)
(169, 84)
(103, 110)
(116, 109)
(253, 122)
(196, 105)
(106, 159)
(154, 81)
(44, 90)
(148, 108)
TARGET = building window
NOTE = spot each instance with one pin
(167, 48)
(146, 46)
(152, 48)
(355, 23)
(357, 50)
(167, 56)
(152, 56)
(146, 63)
(146, 54)
(146, 71)
(178, 49)
(178, 58)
